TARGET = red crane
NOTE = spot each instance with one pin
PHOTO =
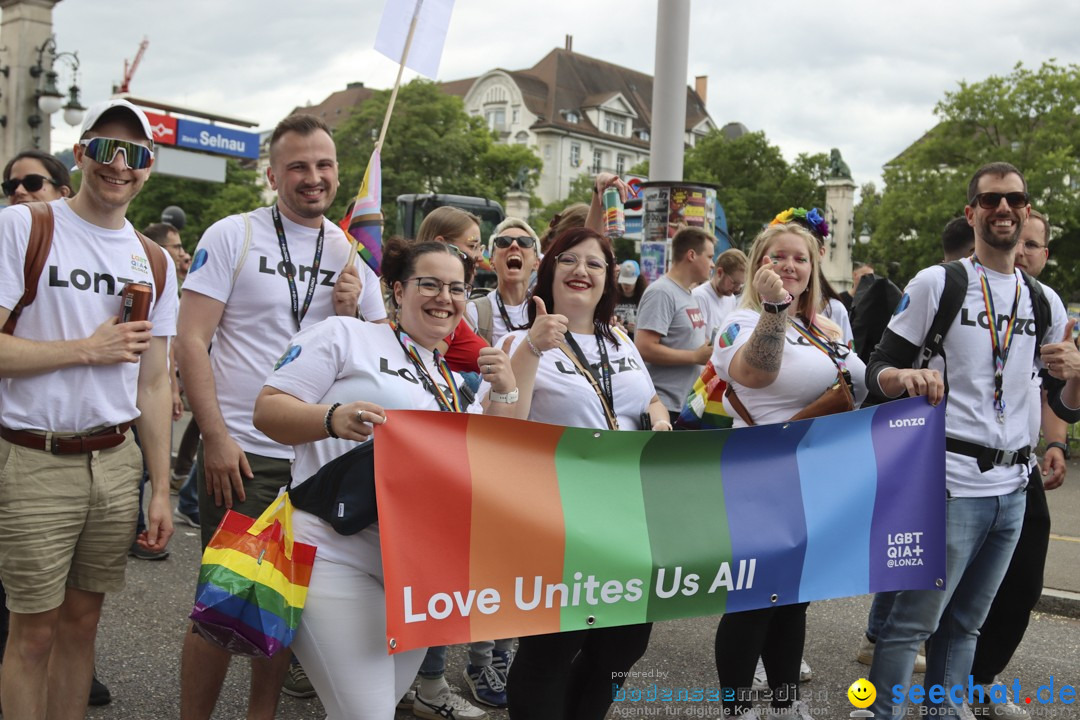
(129, 70)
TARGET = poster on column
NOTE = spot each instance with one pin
(531, 528)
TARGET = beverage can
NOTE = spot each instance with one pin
(614, 215)
(135, 302)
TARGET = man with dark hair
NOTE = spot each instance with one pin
(957, 239)
(168, 237)
(74, 381)
(988, 366)
(1021, 588)
(671, 333)
(239, 294)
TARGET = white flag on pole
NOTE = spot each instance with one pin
(428, 39)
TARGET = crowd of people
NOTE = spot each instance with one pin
(286, 371)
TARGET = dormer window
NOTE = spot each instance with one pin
(643, 134)
(614, 125)
(571, 117)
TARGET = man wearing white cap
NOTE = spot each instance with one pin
(72, 381)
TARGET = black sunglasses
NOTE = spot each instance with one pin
(524, 242)
(32, 183)
(990, 200)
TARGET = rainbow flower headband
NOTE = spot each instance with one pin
(812, 218)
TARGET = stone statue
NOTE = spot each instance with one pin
(837, 167)
(521, 182)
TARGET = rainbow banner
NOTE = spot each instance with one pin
(530, 528)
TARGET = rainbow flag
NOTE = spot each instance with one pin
(531, 528)
(703, 408)
(363, 218)
(253, 582)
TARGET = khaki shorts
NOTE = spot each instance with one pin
(65, 521)
(271, 474)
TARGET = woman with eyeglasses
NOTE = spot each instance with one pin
(328, 390)
(33, 175)
(574, 369)
(780, 357)
(514, 255)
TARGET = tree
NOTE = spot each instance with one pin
(580, 192)
(754, 180)
(432, 146)
(1027, 118)
(203, 202)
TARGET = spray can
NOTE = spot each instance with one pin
(135, 300)
(615, 217)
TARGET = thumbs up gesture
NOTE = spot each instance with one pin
(495, 366)
(1062, 359)
(547, 331)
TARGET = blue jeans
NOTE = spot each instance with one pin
(979, 540)
(879, 613)
(189, 494)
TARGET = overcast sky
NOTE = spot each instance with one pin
(860, 76)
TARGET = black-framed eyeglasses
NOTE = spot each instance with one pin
(104, 151)
(990, 200)
(431, 287)
(524, 241)
(593, 265)
(32, 182)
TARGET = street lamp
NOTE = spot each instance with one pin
(48, 97)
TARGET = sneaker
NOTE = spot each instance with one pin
(99, 694)
(999, 710)
(865, 655)
(487, 684)
(191, 520)
(139, 552)
(407, 700)
(761, 679)
(447, 705)
(501, 660)
(296, 682)
(799, 710)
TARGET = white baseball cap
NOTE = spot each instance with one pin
(98, 109)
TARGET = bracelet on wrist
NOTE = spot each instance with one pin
(328, 421)
(777, 307)
(536, 350)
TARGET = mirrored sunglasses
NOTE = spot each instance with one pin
(104, 150)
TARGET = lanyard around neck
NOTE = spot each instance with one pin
(999, 347)
(447, 402)
(290, 269)
(816, 337)
(601, 383)
(510, 327)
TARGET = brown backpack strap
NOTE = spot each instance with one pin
(737, 404)
(158, 265)
(37, 252)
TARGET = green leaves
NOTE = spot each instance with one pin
(1028, 118)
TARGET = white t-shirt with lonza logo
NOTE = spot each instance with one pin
(258, 320)
(79, 289)
(968, 366)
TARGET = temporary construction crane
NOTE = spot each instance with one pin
(129, 70)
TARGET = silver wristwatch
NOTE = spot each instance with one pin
(508, 398)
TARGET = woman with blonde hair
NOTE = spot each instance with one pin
(782, 360)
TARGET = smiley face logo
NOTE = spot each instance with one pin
(862, 693)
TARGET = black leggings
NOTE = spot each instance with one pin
(572, 675)
(774, 634)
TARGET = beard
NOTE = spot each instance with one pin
(998, 242)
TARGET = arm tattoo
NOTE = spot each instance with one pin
(765, 349)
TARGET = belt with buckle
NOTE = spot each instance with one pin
(988, 457)
(104, 439)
